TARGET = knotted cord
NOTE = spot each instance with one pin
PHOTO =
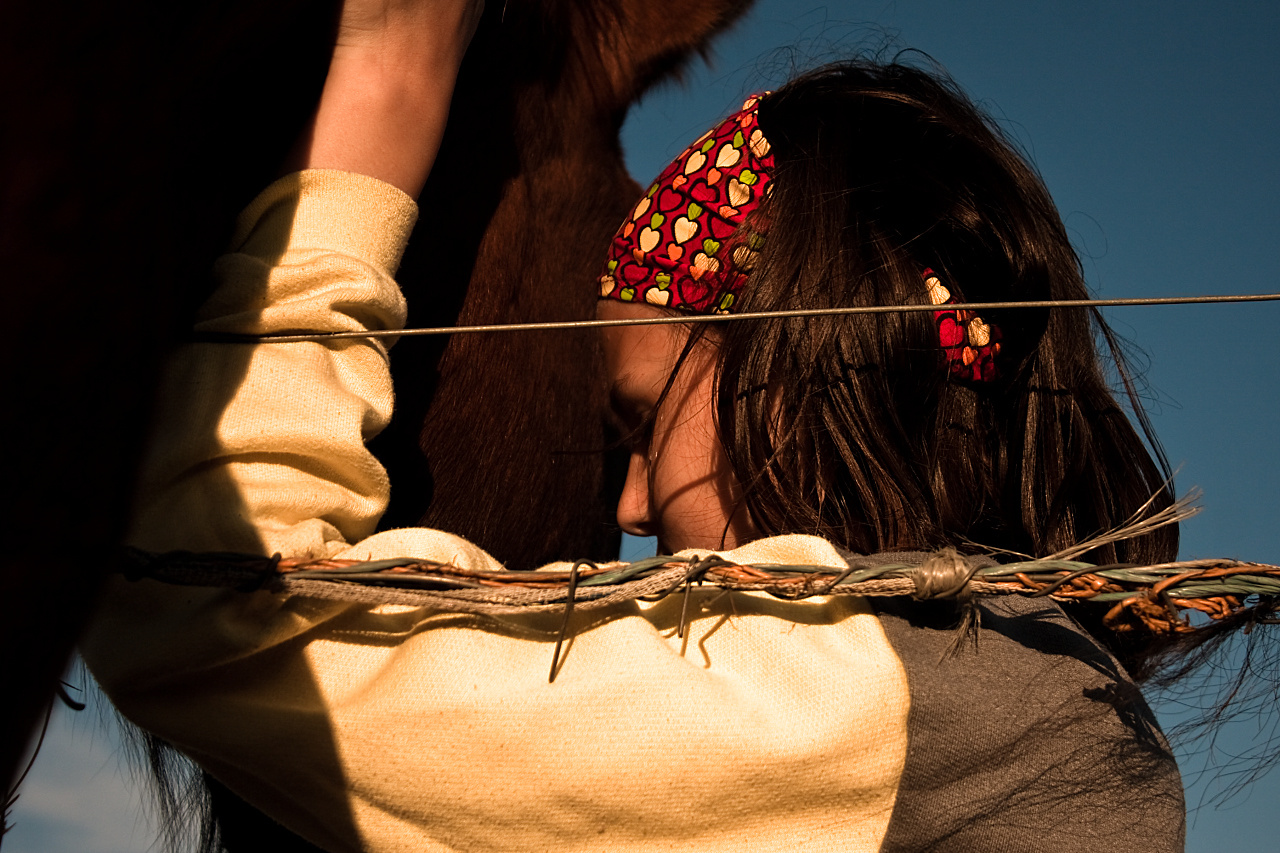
(1216, 587)
(1156, 599)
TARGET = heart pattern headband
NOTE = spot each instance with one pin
(682, 245)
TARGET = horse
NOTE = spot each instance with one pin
(153, 123)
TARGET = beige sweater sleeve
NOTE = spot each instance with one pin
(261, 448)
(769, 725)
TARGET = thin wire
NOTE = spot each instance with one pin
(568, 612)
(224, 337)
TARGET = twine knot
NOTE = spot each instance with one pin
(944, 575)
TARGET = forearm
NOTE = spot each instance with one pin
(386, 98)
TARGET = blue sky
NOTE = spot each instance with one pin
(1155, 126)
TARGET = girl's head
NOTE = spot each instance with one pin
(866, 429)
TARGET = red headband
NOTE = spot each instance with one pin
(681, 247)
(675, 248)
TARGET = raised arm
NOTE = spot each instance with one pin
(386, 98)
(262, 449)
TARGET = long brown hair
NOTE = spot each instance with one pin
(852, 428)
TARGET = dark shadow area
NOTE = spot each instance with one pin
(134, 133)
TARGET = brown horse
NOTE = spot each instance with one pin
(522, 202)
(138, 129)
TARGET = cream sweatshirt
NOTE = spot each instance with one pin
(770, 726)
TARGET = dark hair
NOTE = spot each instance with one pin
(853, 428)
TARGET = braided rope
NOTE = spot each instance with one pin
(1155, 598)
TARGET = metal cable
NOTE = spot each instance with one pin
(224, 337)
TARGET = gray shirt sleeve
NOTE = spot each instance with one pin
(1034, 740)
